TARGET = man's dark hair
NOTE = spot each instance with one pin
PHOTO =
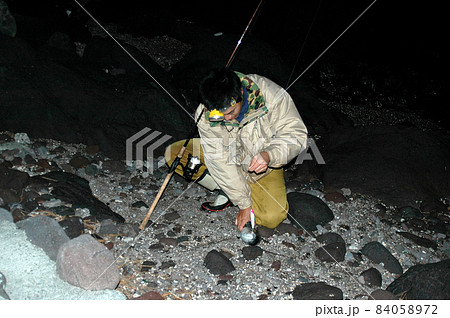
(219, 87)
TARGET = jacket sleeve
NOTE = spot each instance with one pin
(289, 131)
(217, 148)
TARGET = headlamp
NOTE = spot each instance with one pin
(217, 114)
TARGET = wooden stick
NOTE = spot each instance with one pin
(161, 190)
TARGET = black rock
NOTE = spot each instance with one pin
(424, 282)
(329, 238)
(409, 212)
(307, 211)
(265, 231)
(334, 248)
(139, 204)
(73, 226)
(317, 291)
(381, 294)
(419, 240)
(217, 263)
(12, 179)
(371, 277)
(252, 252)
(377, 253)
(172, 216)
(147, 265)
(333, 252)
(75, 190)
(283, 228)
(167, 264)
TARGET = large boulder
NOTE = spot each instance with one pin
(86, 263)
(424, 282)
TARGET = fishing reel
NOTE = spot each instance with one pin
(193, 164)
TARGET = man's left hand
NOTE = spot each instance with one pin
(260, 162)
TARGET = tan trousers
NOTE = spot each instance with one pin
(268, 193)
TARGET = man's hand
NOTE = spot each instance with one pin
(260, 162)
(243, 217)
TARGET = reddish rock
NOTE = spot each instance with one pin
(335, 197)
(151, 295)
(276, 265)
(109, 245)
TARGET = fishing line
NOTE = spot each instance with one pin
(304, 42)
(133, 58)
(332, 43)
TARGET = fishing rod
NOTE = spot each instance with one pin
(233, 54)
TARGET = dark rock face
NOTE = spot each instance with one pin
(308, 211)
(424, 281)
(218, 264)
(377, 253)
(317, 291)
(399, 165)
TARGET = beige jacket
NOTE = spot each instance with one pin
(274, 126)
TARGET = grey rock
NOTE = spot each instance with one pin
(306, 211)
(377, 253)
(169, 241)
(217, 263)
(6, 216)
(317, 291)
(108, 227)
(424, 282)
(86, 263)
(45, 233)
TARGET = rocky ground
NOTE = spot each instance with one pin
(167, 259)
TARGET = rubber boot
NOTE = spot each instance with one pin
(221, 202)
